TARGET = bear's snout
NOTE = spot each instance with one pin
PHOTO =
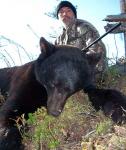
(55, 113)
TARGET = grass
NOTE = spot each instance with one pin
(79, 127)
(51, 131)
(103, 127)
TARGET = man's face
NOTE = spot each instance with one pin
(66, 15)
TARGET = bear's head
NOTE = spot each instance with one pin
(62, 70)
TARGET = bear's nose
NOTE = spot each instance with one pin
(55, 113)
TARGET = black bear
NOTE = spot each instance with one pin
(59, 72)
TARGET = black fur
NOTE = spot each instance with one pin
(59, 72)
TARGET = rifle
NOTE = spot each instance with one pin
(98, 39)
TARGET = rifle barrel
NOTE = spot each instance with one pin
(98, 39)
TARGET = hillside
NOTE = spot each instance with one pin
(79, 127)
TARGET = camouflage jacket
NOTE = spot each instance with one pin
(81, 34)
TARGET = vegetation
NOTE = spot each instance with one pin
(79, 127)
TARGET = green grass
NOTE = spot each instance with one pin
(77, 124)
(103, 127)
(49, 130)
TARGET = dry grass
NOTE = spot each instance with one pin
(79, 127)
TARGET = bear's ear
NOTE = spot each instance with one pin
(93, 57)
(46, 47)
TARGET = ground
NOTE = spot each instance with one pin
(79, 127)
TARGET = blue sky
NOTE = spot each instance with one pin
(96, 10)
(16, 15)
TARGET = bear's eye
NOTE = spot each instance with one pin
(66, 88)
(56, 84)
(52, 85)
